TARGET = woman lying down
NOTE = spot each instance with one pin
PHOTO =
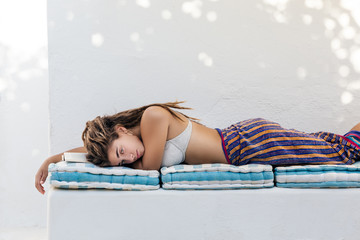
(155, 135)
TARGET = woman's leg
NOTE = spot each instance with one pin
(354, 136)
(265, 142)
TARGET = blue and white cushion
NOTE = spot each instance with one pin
(217, 176)
(318, 176)
(88, 176)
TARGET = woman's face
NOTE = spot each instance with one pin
(126, 149)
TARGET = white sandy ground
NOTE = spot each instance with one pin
(23, 233)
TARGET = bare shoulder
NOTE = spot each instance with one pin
(155, 114)
(154, 127)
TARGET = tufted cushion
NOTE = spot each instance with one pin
(87, 175)
(318, 176)
(217, 176)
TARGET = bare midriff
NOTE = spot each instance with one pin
(205, 146)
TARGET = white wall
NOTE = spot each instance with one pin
(295, 62)
(24, 114)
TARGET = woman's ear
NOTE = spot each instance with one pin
(121, 129)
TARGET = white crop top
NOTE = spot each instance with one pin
(174, 152)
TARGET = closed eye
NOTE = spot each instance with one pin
(117, 152)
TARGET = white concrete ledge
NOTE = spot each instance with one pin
(275, 213)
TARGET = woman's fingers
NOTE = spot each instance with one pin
(39, 180)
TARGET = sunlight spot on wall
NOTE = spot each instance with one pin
(35, 152)
(193, 8)
(279, 4)
(341, 53)
(301, 73)
(346, 97)
(307, 19)
(280, 17)
(166, 15)
(205, 59)
(31, 37)
(211, 16)
(43, 63)
(335, 44)
(134, 37)
(344, 71)
(344, 19)
(353, 6)
(329, 24)
(25, 107)
(355, 59)
(354, 85)
(314, 4)
(348, 33)
(70, 16)
(3, 85)
(277, 10)
(97, 40)
(143, 3)
(139, 44)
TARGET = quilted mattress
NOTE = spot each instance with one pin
(318, 176)
(86, 176)
(217, 176)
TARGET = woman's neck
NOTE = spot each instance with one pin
(136, 131)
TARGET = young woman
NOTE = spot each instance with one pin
(155, 135)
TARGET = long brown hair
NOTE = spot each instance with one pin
(100, 132)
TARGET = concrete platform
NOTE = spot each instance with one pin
(275, 213)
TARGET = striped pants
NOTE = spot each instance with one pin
(264, 142)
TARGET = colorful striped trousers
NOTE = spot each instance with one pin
(265, 142)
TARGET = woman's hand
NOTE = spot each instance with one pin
(42, 173)
(41, 176)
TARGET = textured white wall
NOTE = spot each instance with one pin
(295, 62)
(24, 113)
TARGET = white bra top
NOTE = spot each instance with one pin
(174, 152)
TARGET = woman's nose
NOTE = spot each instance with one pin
(129, 157)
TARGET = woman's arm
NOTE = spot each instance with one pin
(137, 164)
(42, 173)
(154, 127)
